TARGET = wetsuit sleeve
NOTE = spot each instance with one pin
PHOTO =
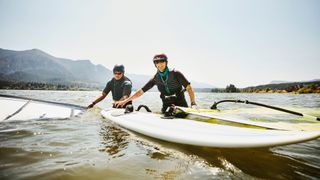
(182, 80)
(108, 87)
(127, 86)
(149, 84)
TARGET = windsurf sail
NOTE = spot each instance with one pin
(22, 108)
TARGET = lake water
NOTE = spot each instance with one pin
(90, 147)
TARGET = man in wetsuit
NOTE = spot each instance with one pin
(120, 87)
(170, 83)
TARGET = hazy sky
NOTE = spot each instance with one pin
(243, 42)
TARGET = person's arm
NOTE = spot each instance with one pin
(123, 98)
(126, 90)
(104, 94)
(100, 98)
(192, 96)
(134, 96)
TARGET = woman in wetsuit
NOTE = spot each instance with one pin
(170, 83)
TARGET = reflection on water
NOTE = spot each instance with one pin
(114, 140)
(157, 155)
(260, 162)
(90, 147)
(247, 163)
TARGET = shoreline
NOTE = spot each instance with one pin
(88, 89)
(287, 88)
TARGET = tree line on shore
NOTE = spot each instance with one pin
(295, 87)
(298, 87)
(18, 85)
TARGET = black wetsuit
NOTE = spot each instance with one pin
(171, 89)
(119, 88)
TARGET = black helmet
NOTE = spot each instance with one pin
(160, 57)
(118, 68)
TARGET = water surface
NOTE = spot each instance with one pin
(91, 147)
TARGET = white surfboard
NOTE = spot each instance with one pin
(24, 109)
(204, 134)
(216, 114)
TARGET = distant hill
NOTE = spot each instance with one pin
(282, 82)
(278, 82)
(312, 86)
(37, 66)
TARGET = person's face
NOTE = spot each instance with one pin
(118, 75)
(161, 65)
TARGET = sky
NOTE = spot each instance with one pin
(219, 42)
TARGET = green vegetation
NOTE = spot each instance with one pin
(313, 88)
(295, 87)
(218, 90)
(48, 86)
(231, 89)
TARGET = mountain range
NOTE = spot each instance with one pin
(37, 66)
(283, 82)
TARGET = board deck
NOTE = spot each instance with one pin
(216, 114)
(204, 134)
